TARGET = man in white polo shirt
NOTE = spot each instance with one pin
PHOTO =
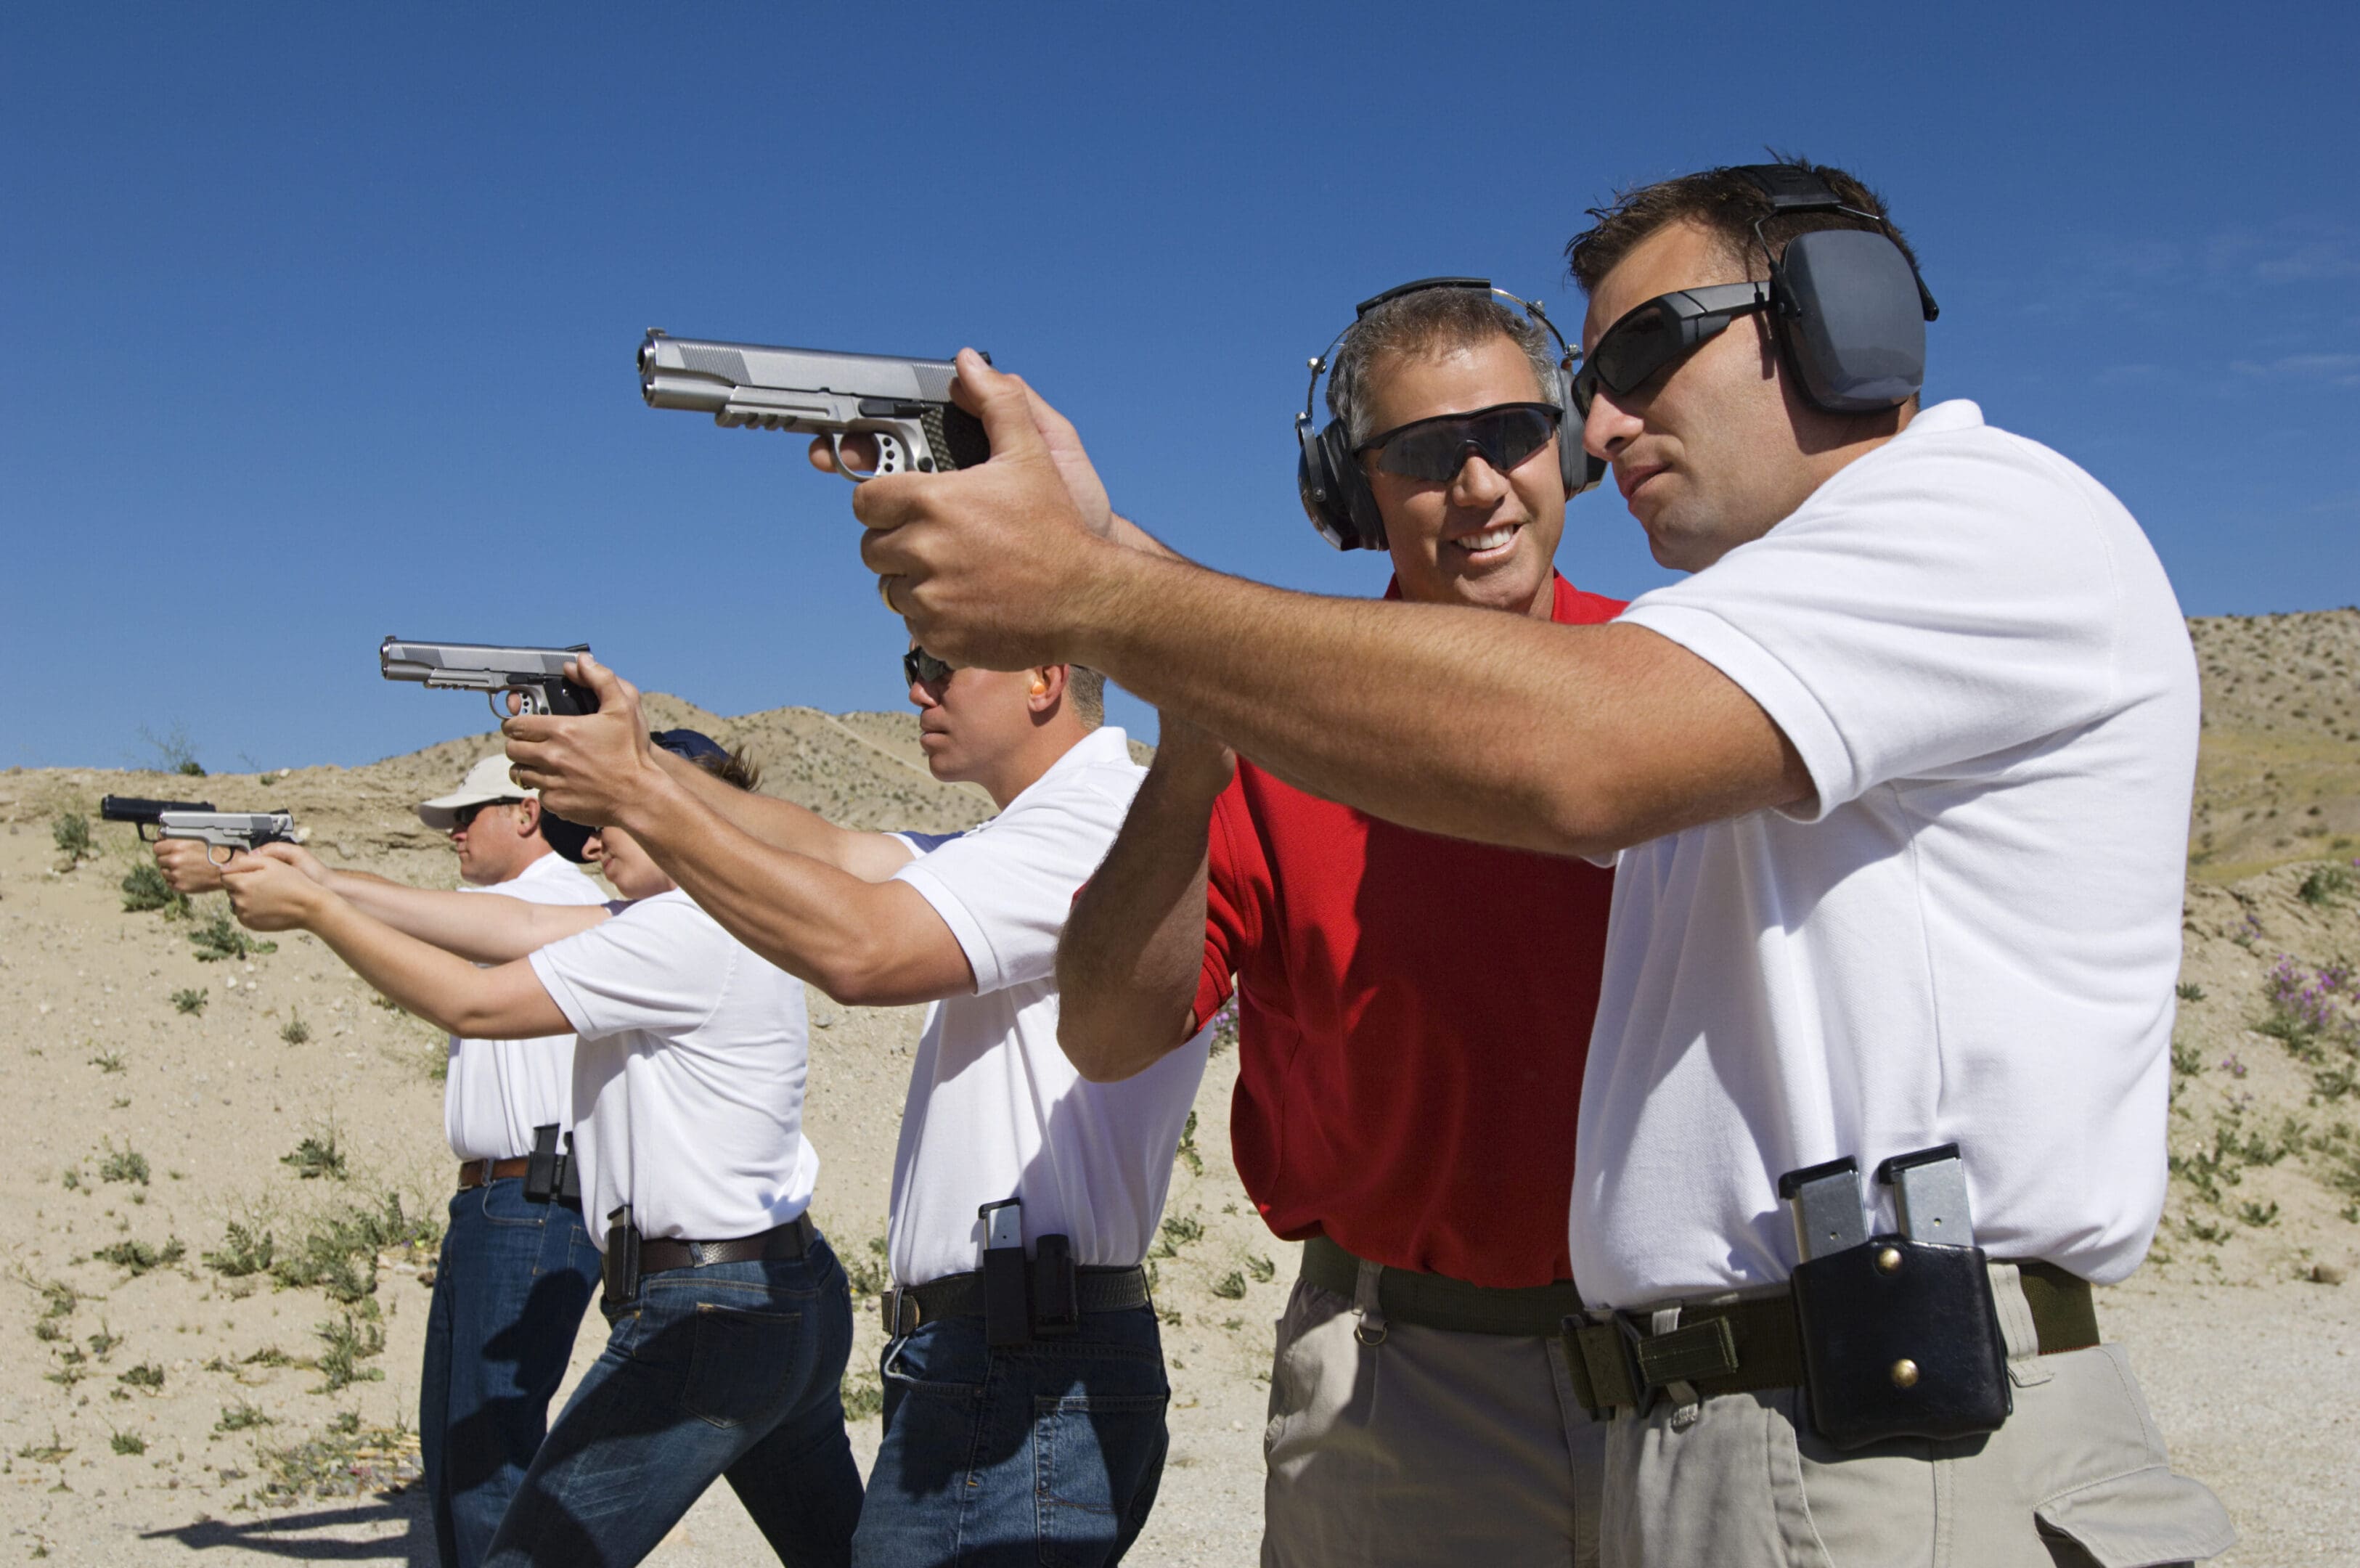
(517, 1268)
(1024, 1383)
(730, 1319)
(1899, 781)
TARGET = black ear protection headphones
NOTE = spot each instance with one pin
(1336, 494)
(1847, 306)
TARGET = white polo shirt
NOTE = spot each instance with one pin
(688, 1082)
(996, 1111)
(1971, 935)
(496, 1090)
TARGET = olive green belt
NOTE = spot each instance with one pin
(1740, 1346)
(1437, 1300)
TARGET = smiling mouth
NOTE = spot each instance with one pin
(1490, 538)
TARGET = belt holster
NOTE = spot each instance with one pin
(569, 1175)
(1056, 1293)
(1025, 1299)
(541, 1166)
(621, 1274)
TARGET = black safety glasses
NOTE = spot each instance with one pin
(464, 816)
(1661, 332)
(920, 667)
(1435, 449)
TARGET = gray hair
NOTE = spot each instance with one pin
(1085, 690)
(1428, 321)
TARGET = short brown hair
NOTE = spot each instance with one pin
(1728, 204)
(739, 767)
(1085, 690)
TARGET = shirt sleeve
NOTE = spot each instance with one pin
(1932, 605)
(659, 966)
(1005, 890)
(1237, 882)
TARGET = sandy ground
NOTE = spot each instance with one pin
(157, 1405)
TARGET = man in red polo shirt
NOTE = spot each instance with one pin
(1414, 1011)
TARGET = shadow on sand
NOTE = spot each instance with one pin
(286, 1535)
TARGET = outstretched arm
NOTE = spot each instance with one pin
(862, 939)
(483, 927)
(1565, 739)
(505, 1003)
(1128, 962)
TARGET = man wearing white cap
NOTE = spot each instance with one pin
(517, 1270)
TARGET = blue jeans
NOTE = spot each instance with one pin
(509, 1295)
(1046, 1454)
(736, 1370)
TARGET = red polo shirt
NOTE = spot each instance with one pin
(1414, 1016)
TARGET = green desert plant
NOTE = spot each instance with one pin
(144, 888)
(351, 1339)
(317, 1156)
(297, 1031)
(123, 1165)
(222, 938)
(189, 1001)
(242, 1416)
(71, 833)
(242, 1252)
(141, 1257)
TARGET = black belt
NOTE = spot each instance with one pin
(792, 1239)
(1437, 1300)
(905, 1307)
(1741, 1346)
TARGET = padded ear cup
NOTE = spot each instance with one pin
(1851, 319)
(1576, 467)
(1336, 495)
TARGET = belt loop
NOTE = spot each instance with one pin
(1366, 1301)
(484, 1166)
(2016, 1324)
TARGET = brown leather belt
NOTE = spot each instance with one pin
(905, 1307)
(477, 1173)
(1741, 1346)
(792, 1239)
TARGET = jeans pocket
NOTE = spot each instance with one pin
(739, 1363)
(1097, 1460)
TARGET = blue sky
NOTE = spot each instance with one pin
(321, 317)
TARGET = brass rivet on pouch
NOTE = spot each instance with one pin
(1905, 1373)
(1888, 1261)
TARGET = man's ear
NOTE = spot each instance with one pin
(1047, 693)
(529, 817)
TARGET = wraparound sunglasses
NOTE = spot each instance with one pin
(1661, 332)
(1436, 450)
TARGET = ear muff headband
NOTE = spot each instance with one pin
(1848, 307)
(1336, 494)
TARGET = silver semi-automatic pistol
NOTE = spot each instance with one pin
(905, 404)
(232, 831)
(537, 675)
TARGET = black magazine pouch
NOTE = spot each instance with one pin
(540, 1172)
(1006, 1306)
(1900, 1339)
(622, 1260)
(569, 1180)
(1899, 1336)
(1056, 1291)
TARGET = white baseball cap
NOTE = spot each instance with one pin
(488, 781)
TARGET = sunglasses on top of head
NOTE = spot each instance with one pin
(920, 667)
(1435, 449)
(1665, 330)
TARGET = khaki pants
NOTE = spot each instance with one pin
(2077, 1476)
(1428, 1447)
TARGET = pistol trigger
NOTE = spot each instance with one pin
(843, 463)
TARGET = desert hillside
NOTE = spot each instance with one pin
(230, 1173)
